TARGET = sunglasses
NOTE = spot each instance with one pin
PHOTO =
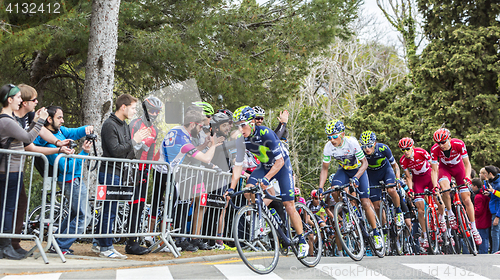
(259, 118)
(33, 100)
(442, 142)
(334, 136)
(12, 91)
(243, 124)
(405, 149)
(367, 146)
(200, 124)
(152, 112)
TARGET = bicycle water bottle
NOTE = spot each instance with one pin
(276, 215)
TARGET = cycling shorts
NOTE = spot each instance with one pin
(284, 178)
(455, 171)
(385, 174)
(342, 177)
(422, 182)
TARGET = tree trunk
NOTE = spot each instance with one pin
(99, 76)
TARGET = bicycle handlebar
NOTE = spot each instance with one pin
(336, 188)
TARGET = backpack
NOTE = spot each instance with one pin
(6, 146)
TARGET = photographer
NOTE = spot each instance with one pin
(69, 176)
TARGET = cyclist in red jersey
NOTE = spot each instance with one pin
(450, 159)
(417, 167)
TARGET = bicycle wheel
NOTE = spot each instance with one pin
(464, 226)
(381, 252)
(384, 218)
(312, 235)
(254, 234)
(408, 242)
(432, 230)
(348, 232)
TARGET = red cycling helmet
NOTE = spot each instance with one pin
(441, 135)
(314, 194)
(406, 143)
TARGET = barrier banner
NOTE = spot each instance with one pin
(115, 193)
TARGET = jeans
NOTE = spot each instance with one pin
(485, 235)
(109, 212)
(79, 217)
(12, 186)
(495, 235)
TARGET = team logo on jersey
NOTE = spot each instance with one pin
(264, 131)
(170, 138)
(263, 154)
(382, 148)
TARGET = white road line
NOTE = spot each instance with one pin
(147, 273)
(350, 271)
(48, 276)
(242, 272)
(445, 271)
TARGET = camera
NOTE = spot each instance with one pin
(72, 144)
(91, 137)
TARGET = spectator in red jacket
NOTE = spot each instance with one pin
(482, 214)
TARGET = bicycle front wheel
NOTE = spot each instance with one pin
(312, 235)
(256, 240)
(348, 231)
(386, 224)
(432, 229)
(464, 226)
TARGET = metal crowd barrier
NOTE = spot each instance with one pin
(31, 229)
(202, 212)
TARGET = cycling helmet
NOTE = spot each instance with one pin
(259, 112)
(153, 103)
(334, 127)
(296, 191)
(244, 113)
(406, 143)
(219, 119)
(441, 134)
(207, 108)
(330, 179)
(227, 112)
(367, 137)
(314, 193)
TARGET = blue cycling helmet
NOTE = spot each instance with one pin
(367, 137)
(334, 127)
(244, 113)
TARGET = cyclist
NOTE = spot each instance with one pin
(348, 154)
(450, 159)
(380, 160)
(318, 208)
(417, 161)
(281, 130)
(275, 163)
(298, 198)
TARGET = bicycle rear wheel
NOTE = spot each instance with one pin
(432, 230)
(257, 235)
(349, 232)
(464, 226)
(385, 221)
(381, 252)
(408, 242)
(312, 235)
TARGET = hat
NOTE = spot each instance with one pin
(193, 116)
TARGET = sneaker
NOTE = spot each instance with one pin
(135, 249)
(442, 225)
(218, 246)
(149, 240)
(378, 242)
(67, 253)
(423, 242)
(96, 248)
(477, 238)
(226, 247)
(496, 253)
(340, 254)
(186, 246)
(303, 250)
(112, 254)
(200, 244)
(400, 218)
(453, 222)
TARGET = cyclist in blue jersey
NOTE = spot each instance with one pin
(380, 160)
(275, 164)
(352, 161)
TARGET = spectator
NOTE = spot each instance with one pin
(12, 137)
(69, 177)
(117, 142)
(490, 173)
(482, 213)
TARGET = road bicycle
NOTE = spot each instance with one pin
(258, 234)
(387, 215)
(351, 224)
(464, 231)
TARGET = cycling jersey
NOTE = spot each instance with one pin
(419, 164)
(457, 152)
(348, 156)
(174, 148)
(266, 146)
(380, 157)
(317, 209)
